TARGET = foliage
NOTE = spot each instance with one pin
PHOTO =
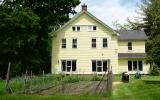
(155, 70)
(72, 79)
(96, 78)
(24, 26)
(151, 26)
(130, 25)
(18, 36)
(18, 84)
(145, 89)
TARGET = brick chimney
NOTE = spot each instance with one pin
(84, 7)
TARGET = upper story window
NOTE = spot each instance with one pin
(74, 43)
(92, 28)
(63, 43)
(105, 43)
(129, 45)
(93, 43)
(76, 28)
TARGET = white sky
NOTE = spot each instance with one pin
(111, 10)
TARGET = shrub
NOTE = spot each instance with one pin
(96, 78)
(155, 70)
(71, 79)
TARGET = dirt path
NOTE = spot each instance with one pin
(84, 87)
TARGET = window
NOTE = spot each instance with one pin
(105, 44)
(63, 65)
(129, 65)
(68, 65)
(92, 28)
(99, 65)
(129, 45)
(94, 65)
(63, 43)
(93, 43)
(76, 28)
(140, 65)
(74, 43)
(134, 65)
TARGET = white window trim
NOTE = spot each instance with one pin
(76, 28)
(68, 66)
(62, 43)
(99, 66)
(130, 46)
(102, 42)
(137, 66)
(95, 42)
(76, 43)
(91, 28)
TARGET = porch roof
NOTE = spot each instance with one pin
(131, 55)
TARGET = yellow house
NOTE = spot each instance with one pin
(85, 45)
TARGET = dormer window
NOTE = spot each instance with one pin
(92, 28)
(76, 28)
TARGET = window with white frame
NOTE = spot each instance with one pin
(99, 65)
(105, 43)
(63, 44)
(76, 28)
(92, 28)
(134, 65)
(68, 65)
(129, 45)
(74, 43)
(93, 43)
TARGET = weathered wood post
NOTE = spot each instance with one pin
(8, 89)
(109, 77)
(43, 79)
(109, 82)
(62, 81)
(26, 82)
(31, 81)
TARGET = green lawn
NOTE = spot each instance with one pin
(147, 88)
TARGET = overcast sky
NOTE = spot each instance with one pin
(111, 10)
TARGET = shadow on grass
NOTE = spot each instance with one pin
(151, 81)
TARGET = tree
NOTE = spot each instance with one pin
(130, 25)
(18, 35)
(151, 25)
(151, 18)
(28, 24)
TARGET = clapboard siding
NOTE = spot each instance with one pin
(84, 54)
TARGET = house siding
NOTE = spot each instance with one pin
(84, 54)
(138, 46)
(123, 66)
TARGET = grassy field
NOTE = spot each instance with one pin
(147, 88)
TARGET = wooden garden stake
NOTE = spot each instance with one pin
(62, 83)
(8, 89)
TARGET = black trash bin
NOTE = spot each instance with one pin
(125, 77)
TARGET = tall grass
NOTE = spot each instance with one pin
(20, 84)
(2, 87)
